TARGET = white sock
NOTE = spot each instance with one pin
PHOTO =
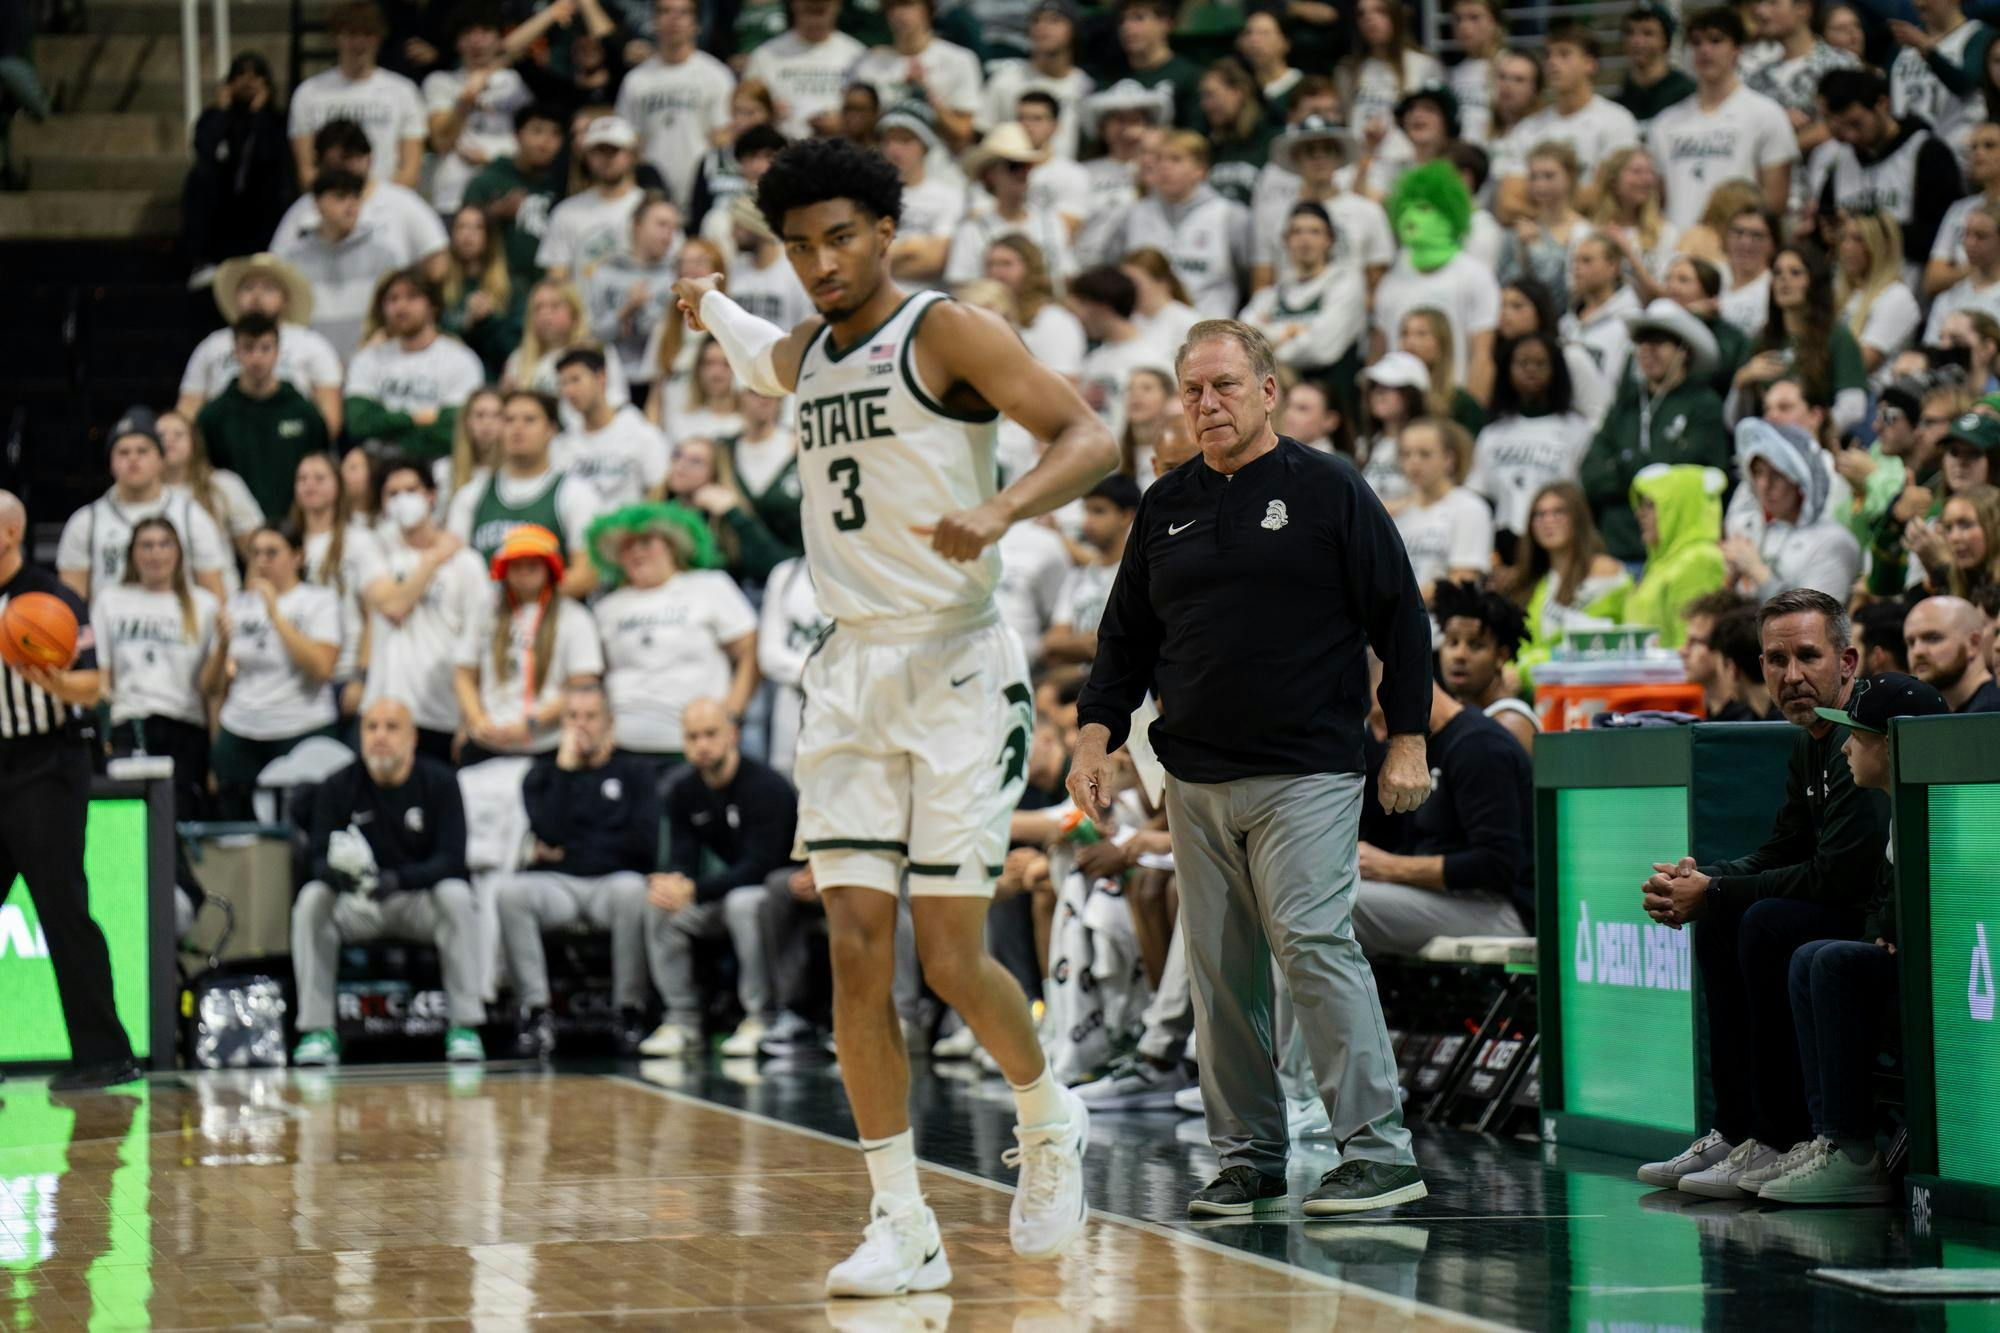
(1040, 1102)
(892, 1169)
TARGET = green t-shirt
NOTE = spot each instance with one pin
(1185, 77)
(523, 234)
(262, 439)
(1645, 103)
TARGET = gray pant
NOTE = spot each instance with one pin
(1399, 919)
(670, 938)
(1170, 1017)
(1267, 867)
(443, 914)
(537, 900)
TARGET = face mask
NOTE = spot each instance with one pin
(1427, 236)
(407, 510)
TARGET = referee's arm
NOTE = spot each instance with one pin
(1128, 646)
(80, 685)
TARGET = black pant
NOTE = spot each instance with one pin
(44, 800)
(435, 745)
(184, 743)
(1745, 955)
(795, 948)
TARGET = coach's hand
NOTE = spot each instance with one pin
(689, 291)
(1090, 771)
(1406, 775)
(962, 536)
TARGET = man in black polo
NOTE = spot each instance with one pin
(44, 801)
(1252, 585)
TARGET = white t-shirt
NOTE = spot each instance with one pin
(587, 227)
(488, 131)
(966, 260)
(1377, 90)
(1697, 150)
(306, 361)
(237, 513)
(622, 462)
(760, 462)
(1950, 243)
(1604, 336)
(1362, 236)
(343, 275)
(399, 216)
(807, 78)
(1748, 306)
(1454, 533)
(1598, 129)
(1085, 592)
(1471, 80)
(360, 561)
(413, 661)
(1169, 324)
(271, 699)
(952, 71)
(772, 293)
(387, 106)
(1056, 339)
(664, 648)
(931, 207)
(1008, 79)
(504, 694)
(791, 622)
(1916, 90)
(685, 424)
(1107, 373)
(676, 108)
(1061, 186)
(1467, 293)
(440, 375)
(154, 665)
(1516, 456)
(97, 536)
(1892, 321)
(1965, 294)
(1034, 564)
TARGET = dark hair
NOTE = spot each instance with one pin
(345, 135)
(545, 402)
(1119, 489)
(476, 14)
(1737, 638)
(760, 139)
(357, 16)
(1798, 601)
(1342, 435)
(413, 277)
(1844, 89)
(1498, 616)
(284, 530)
(1312, 210)
(1574, 34)
(1812, 352)
(1106, 286)
(394, 461)
(862, 86)
(1715, 605)
(1164, 8)
(1720, 20)
(816, 170)
(540, 111)
(1557, 399)
(1537, 294)
(1472, 160)
(1705, 273)
(252, 324)
(1880, 625)
(337, 182)
(589, 358)
(1039, 98)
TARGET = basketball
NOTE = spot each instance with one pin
(37, 629)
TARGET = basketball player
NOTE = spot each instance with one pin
(913, 749)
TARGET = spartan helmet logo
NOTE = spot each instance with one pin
(1586, 966)
(1979, 985)
(1275, 516)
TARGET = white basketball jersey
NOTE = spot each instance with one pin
(878, 456)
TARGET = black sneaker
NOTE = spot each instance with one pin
(632, 1029)
(1239, 1190)
(537, 1038)
(1359, 1187)
(89, 1078)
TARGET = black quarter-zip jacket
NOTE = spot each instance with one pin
(1246, 603)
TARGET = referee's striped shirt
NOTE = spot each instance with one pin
(27, 711)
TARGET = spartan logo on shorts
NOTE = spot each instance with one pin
(1014, 750)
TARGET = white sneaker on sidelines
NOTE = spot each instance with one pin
(1306, 1119)
(748, 1036)
(1703, 1153)
(1828, 1176)
(959, 1045)
(1049, 1208)
(668, 1040)
(1135, 1085)
(1750, 1182)
(900, 1252)
(1188, 1100)
(1719, 1181)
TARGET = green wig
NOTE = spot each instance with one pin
(1439, 185)
(685, 530)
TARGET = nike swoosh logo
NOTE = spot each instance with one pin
(961, 680)
(933, 1254)
(1173, 531)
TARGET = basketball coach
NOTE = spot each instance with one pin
(44, 799)
(1257, 577)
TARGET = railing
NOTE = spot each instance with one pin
(193, 92)
(1528, 26)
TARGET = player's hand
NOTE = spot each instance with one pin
(1090, 772)
(669, 893)
(688, 293)
(1103, 860)
(962, 536)
(1405, 783)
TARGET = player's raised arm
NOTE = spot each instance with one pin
(966, 346)
(765, 357)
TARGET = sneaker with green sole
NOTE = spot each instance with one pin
(463, 1046)
(318, 1048)
(1360, 1187)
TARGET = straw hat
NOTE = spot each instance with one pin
(1007, 142)
(230, 276)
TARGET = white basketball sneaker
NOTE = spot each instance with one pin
(1700, 1155)
(1049, 1204)
(900, 1252)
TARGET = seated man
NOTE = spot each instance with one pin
(1843, 991)
(388, 859)
(1482, 632)
(1739, 650)
(595, 815)
(743, 814)
(1946, 641)
(1470, 866)
(1809, 881)
(1702, 660)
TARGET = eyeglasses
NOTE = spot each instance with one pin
(1889, 414)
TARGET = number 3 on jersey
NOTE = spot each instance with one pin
(846, 473)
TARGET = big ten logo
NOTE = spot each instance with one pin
(1625, 953)
(1979, 981)
(17, 938)
(1920, 1209)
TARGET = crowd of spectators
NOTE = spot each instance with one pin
(457, 484)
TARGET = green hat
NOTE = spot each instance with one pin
(1981, 430)
(685, 530)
